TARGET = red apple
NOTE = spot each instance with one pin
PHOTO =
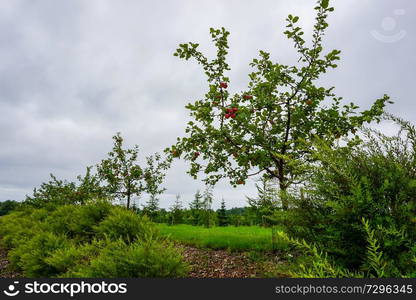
(223, 85)
(232, 115)
(227, 116)
(235, 109)
(247, 97)
(309, 102)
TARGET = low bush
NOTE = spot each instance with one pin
(124, 224)
(30, 256)
(148, 257)
(93, 240)
(374, 180)
(78, 222)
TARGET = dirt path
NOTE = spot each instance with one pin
(5, 272)
(208, 263)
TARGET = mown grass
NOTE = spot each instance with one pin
(242, 238)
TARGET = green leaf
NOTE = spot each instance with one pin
(325, 3)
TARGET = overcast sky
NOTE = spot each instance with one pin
(73, 73)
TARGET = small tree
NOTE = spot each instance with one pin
(57, 192)
(195, 207)
(90, 187)
(125, 178)
(271, 126)
(222, 215)
(152, 207)
(176, 211)
(266, 202)
(206, 206)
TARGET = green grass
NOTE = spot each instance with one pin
(242, 238)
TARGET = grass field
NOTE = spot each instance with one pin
(242, 238)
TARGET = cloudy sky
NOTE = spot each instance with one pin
(72, 73)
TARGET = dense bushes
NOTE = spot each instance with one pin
(144, 258)
(375, 180)
(61, 192)
(125, 225)
(8, 206)
(94, 240)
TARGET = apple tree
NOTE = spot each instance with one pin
(124, 178)
(270, 127)
(58, 192)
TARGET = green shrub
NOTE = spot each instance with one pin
(64, 260)
(320, 265)
(8, 206)
(145, 258)
(30, 256)
(87, 240)
(18, 227)
(77, 221)
(375, 180)
(124, 224)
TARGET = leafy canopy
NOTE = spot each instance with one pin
(125, 178)
(269, 127)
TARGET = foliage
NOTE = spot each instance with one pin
(8, 206)
(222, 215)
(77, 222)
(30, 256)
(266, 202)
(322, 266)
(144, 258)
(271, 126)
(124, 178)
(151, 208)
(207, 216)
(57, 192)
(375, 180)
(87, 240)
(196, 207)
(125, 225)
(176, 211)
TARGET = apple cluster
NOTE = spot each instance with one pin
(231, 112)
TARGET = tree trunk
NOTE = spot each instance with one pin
(128, 194)
(283, 196)
(128, 199)
(282, 185)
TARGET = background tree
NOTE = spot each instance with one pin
(152, 207)
(90, 187)
(222, 215)
(195, 207)
(176, 211)
(207, 198)
(267, 200)
(123, 176)
(57, 192)
(271, 126)
(8, 206)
